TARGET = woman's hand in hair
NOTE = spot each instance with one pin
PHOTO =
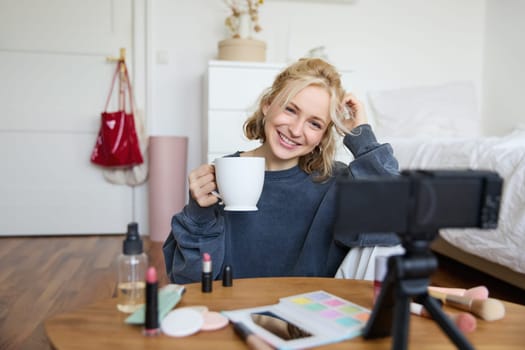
(356, 110)
(201, 184)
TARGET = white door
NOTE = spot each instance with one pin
(54, 79)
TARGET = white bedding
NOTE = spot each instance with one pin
(505, 155)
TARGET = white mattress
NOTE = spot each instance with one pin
(505, 155)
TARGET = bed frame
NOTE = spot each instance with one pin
(496, 270)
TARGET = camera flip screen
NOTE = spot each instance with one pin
(418, 201)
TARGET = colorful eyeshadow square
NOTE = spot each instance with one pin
(301, 300)
(349, 309)
(333, 302)
(330, 313)
(348, 321)
(319, 296)
(362, 316)
(315, 307)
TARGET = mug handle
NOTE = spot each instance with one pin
(218, 195)
(215, 193)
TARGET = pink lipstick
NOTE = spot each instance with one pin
(151, 321)
(206, 273)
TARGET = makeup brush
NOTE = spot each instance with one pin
(479, 292)
(464, 321)
(489, 309)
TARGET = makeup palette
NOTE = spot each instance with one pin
(333, 311)
(304, 320)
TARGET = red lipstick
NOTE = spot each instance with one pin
(206, 273)
(151, 321)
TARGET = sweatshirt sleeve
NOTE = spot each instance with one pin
(194, 231)
(370, 157)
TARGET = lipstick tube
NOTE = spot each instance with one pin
(207, 277)
(151, 319)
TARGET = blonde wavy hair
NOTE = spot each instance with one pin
(301, 74)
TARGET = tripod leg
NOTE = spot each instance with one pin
(401, 323)
(379, 324)
(391, 313)
(446, 324)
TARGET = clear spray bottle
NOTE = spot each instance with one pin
(132, 266)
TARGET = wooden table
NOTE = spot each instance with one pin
(100, 326)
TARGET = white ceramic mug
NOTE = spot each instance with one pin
(240, 181)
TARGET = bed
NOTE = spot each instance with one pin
(438, 127)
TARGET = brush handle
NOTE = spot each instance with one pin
(458, 302)
(478, 292)
(455, 291)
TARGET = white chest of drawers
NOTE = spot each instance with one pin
(232, 90)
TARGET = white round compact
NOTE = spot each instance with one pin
(182, 322)
(213, 321)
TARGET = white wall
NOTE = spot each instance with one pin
(388, 43)
(186, 32)
(504, 73)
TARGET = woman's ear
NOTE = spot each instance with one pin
(265, 109)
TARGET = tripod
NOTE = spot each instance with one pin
(408, 277)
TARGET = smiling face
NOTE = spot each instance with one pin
(305, 93)
(297, 129)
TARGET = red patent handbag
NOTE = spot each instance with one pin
(117, 143)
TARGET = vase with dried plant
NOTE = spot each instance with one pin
(242, 23)
(244, 18)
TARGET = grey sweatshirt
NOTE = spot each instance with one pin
(292, 232)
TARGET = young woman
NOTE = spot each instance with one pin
(297, 122)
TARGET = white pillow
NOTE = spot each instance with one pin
(448, 110)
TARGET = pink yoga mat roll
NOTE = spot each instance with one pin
(167, 182)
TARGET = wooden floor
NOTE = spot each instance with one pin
(44, 276)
